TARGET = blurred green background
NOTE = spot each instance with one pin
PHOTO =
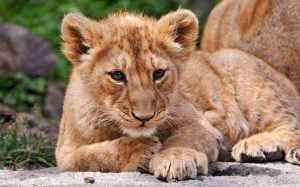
(24, 93)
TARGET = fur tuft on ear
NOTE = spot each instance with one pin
(77, 33)
(179, 29)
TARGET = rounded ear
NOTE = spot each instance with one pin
(77, 32)
(179, 30)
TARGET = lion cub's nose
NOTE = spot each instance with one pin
(143, 117)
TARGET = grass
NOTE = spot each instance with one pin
(24, 151)
(21, 92)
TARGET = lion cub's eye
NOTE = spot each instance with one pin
(158, 74)
(117, 75)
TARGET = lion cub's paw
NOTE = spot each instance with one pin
(254, 150)
(178, 164)
(140, 151)
(293, 155)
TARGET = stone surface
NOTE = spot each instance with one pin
(221, 174)
(54, 100)
(36, 125)
(21, 50)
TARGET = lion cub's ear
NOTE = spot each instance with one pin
(179, 29)
(77, 34)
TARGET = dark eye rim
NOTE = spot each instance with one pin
(114, 76)
(155, 78)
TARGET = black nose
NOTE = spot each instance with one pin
(143, 117)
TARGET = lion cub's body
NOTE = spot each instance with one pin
(268, 29)
(202, 102)
(241, 95)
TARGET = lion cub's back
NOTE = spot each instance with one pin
(248, 72)
(237, 76)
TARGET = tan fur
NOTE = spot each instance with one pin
(201, 99)
(268, 29)
(241, 95)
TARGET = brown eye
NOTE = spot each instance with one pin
(118, 76)
(158, 74)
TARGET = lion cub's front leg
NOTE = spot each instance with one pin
(179, 163)
(185, 154)
(122, 154)
(139, 151)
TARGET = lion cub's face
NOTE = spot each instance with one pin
(129, 64)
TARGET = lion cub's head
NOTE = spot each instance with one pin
(129, 64)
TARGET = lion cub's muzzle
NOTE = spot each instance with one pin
(144, 111)
(143, 117)
(143, 104)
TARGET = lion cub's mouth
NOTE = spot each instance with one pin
(136, 128)
(138, 131)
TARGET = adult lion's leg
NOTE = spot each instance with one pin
(269, 146)
(122, 154)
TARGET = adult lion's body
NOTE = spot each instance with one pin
(139, 96)
(268, 29)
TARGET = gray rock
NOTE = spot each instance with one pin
(53, 100)
(201, 7)
(36, 125)
(221, 174)
(22, 51)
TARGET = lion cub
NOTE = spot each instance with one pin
(123, 103)
(141, 99)
(268, 29)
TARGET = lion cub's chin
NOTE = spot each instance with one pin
(139, 131)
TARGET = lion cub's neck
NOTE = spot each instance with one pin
(200, 84)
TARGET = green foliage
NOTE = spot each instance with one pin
(215, 1)
(21, 92)
(24, 151)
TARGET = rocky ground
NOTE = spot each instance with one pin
(221, 174)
